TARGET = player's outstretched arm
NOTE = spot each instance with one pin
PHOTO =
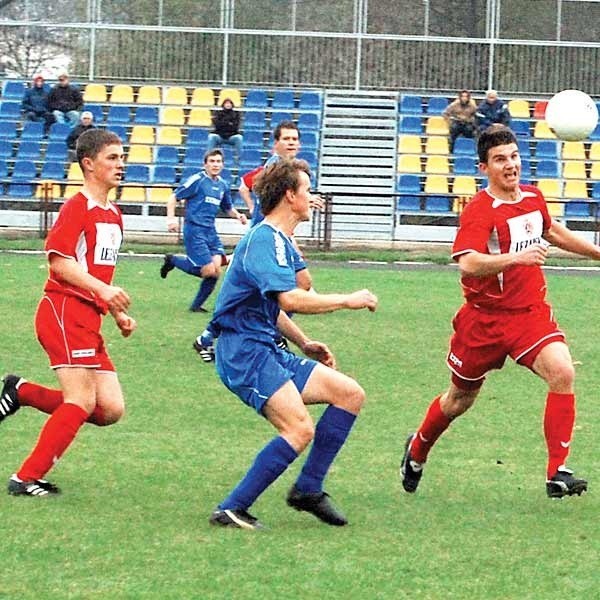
(312, 303)
(478, 264)
(562, 237)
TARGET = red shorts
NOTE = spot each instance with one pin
(482, 340)
(69, 331)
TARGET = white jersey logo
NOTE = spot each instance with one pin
(280, 255)
(525, 230)
(108, 242)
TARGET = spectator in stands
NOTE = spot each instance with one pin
(35, 103)
(86, 122)
(65, 101)
(227, 127)
(492, 110)
(460, 116)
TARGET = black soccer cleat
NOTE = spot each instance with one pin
(207, 353)
(37, 487)
(167, 266)
(9, 397)
(318, 504)
(238, 519)
(410, 470)
(564, 484)
(198, 309)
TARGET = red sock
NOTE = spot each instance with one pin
(559, 419)
(56, 436)
(434, 424)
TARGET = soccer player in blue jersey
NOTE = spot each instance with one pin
(205, 193)
(258, 289)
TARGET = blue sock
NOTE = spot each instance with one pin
(183, 263)
(206, 287)
(330, 434)
(268, 465)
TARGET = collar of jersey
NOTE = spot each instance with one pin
(91, 203)
(499, 201)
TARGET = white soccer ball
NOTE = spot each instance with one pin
(572, 115)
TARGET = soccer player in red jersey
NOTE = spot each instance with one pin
(500, 246)
(82, 249)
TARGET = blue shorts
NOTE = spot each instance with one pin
(255, 370)
(201, 244)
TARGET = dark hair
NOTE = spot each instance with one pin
(284, 125)
(213, 152)
(90, 142)
(494, 135)
(272, 183)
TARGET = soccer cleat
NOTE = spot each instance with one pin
(207, 353)
(37, 487)
(282, 344)
(238, 519)
(9, 397)
(318, 504)
(198, 309)
(167, 266)
(410, 470)
(564, 484)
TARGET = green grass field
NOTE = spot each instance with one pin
(132, 519)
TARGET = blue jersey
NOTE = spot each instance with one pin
(204, 198)
(262, 266)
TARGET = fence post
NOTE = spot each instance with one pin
(45, 213)
(325, 244)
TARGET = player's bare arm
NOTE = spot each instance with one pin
(126, 324)
(302, 301)
(235, 214)
(562, 237)
(478, 264)
(172, 221)
(246, 196)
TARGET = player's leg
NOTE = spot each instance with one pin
(210, 275)
(110, 404)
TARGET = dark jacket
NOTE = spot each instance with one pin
(226, 122)
(65, 98)
(35, 100)
(488, 114)
(76, 132)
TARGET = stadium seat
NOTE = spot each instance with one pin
(464, 185)
(409, 144)
(524, 149)
(550, 188)
(309, 140)
(95, 92)
(595, 171)
(249, 159)
(520, 128)
(543, 131)
(148, 94)
(227, 175)
(410, 104)
(3, 170)
(555, 207)
(172, 115)
(22, 178)
(465, 165)
(233, 94)
(71, 190)
(310, 101)
(13, 90)
(436, 184)
(574, 169)
(436, 105)
(310, 157)
(133, 193)
(121, 93)
(97, 111)
(169, 136)
(175, 95)
(309, 122)
(254, 139)
(595, 135)
(118, 115)
(139, 153)
(53, 170)
(203, 97)
(32, 130)
(279, 116)
(256, 98)
(58, 132)
(189, 171)
(142, 134)
(146, 115)
(8, 130)
(539, 109)
(200, 117)
(29, 149)
(546, 149)
(436, 125)
(159, 195)
(575, 189)
(10, 110)
(464, 146)
(164, 174)
(408, 203)
(194, 157)
(595, 151)
(137, 173)
(48, 189)
(24, 170)
(437, 164)
(197, 136)
(436, 144)
(283, 100)
(410, 124)
(577, 194)
(409, 163)
(573, 208)
(167, 155)
(74, 172)
(547, 168)
(119, 130)
(409, 188)
(255, 119)
(573, 151)
(596, 190)
(518, 108)
(525, 170)
(6, 150)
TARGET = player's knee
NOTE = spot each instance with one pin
(112, 414)
(561, 377)
(300, 434)
(356, 397)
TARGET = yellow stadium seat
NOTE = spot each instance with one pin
(409, 144)
(148, 94)
(71, 190)
(94, 92)
(437, 144)
(48, 189)
(169, 136)
(159, 194)
(436, 184)
(121, 94)
(142, 134)
(551, 189)
(595, 151)
(574, 169)
(437, 164)
(555, 208)
(74, 173)
(199, 117)
(464, 185)
(595, 171)
(172, 115)
(575, 189)
(233, 94)
(543, 131)
(409, 163)
(436, 125)
(139, 153)
(203, 97)
(175, 95)
(573, 151)
(133, 193)
(518, 109)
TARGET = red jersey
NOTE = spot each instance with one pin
(248, 178)
(493, 226)
(91, 234)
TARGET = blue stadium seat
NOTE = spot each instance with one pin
(525, 170)
(464, 146)
(227, 175)
(279, 116)
(547, 168)
(6, 150)
(310, 158)
(577, 209)
(29, 149)
(410, 124)
(309, 122)
(546, 149)
(410, 104)
(13, 90)
(24, 172)
(249, 159)
(118, 114)
(310, 101)
(53, 170)
(283, 100)
(465, 165)
(146, 115)
(524, 149)
(197, 136)
(520, 127)
(10, 110)
(595, 135)
(8, 130)
(255, 119)
(437, 204)
(120, 130)
(437, 105)
(97, 111)
(254, 139)
(3, 170)
(596, 190)
(188, 172)
(310, 140)
(164, 174)
(56, 151)
(32, 130)
(167, 155)
(137, 173)
(410, 188)
(256, 99)
(407, 203)
(194, 156)
(58, 132)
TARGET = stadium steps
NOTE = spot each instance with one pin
(358, 160)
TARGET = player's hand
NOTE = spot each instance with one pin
(172, 224)
(316, 202)
(320, 352)
(125, 323)
(242, 219)
(116, 298)
(362, 299)
(533, 255)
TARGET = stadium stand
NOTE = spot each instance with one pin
(203, 97)
(95, 92)
(121, 94)
(175, 95)
(148, 94)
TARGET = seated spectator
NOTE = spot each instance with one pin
(65, 101)
(35, 103)
(492, 110)
(460, 116)
(86, 122)
(227, 127)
